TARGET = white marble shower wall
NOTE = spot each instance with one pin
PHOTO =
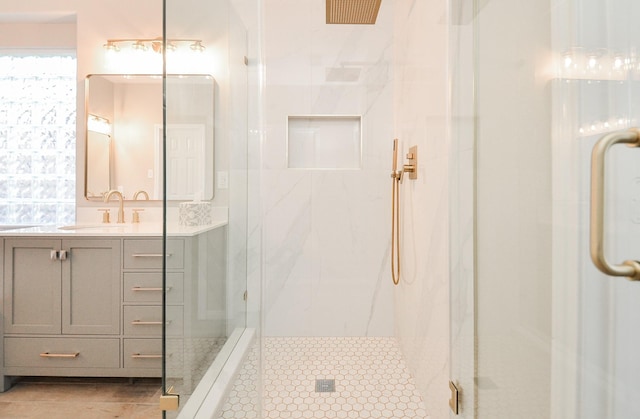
(420, 105)
(326, 231)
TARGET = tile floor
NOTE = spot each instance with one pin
(371, 380)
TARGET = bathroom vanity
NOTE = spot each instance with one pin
(88, 301)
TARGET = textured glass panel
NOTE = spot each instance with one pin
(4, 134)
(4, 191)
(45, 189)
(44, 164)
(4, 164)
(37, 139)
(24, 188)
(5, 211)
(66, 188)
(23, 164)
(66, 213)
(44, 212)
(23, 213)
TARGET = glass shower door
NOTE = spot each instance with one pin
(537, 330)
(208, 195)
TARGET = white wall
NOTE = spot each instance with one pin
(420, 108)
(326, 232)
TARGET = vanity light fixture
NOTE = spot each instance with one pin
(138, 45)
(110, 46)
(155, 44)
(98, 124)
(197, 46)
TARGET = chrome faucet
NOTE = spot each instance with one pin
(141, 192)
(107, 197)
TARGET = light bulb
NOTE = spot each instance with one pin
(197, 46)
(110, 46)
(139, 46)
(617, 63)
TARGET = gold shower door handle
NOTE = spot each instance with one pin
(628, 268)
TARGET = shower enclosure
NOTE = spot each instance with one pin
(537, 330)
(216, 327)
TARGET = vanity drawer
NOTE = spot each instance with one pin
(146, 287)
(61, 352)
(147, 321)
(147, 254)
(142, 353)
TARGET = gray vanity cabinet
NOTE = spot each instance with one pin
(68, 287)
(91, 287)
(32, 278)
(61, 307)
(142, 302)
(92, 306)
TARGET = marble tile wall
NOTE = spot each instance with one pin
(420, 107)
(326, 231)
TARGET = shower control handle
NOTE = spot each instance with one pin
(628, 268)
(411, 166)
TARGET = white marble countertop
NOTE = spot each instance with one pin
(109, 230)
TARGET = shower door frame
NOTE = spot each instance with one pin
(590, 368)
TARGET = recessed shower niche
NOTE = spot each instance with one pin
(324, 142)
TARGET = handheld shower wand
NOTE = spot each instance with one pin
(394, 164)
(396, 175)
(395, 216)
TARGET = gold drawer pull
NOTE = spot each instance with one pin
(146, 356)
(50, 355)
(150, 255)
(146, 323)
(149, 289)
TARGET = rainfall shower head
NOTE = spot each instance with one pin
(358, 12)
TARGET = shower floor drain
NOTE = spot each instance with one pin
(325, 386)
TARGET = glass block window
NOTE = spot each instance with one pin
(37, 139)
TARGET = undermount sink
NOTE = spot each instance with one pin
(86, 226)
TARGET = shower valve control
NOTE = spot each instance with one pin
(411, 166)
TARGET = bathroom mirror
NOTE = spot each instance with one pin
(124, 148)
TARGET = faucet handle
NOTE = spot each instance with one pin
(141, 192)
(136, 216)
(105, 215)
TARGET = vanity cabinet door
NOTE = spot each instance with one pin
(32, 291)
(91, 287)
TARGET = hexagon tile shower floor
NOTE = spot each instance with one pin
(371, 380)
